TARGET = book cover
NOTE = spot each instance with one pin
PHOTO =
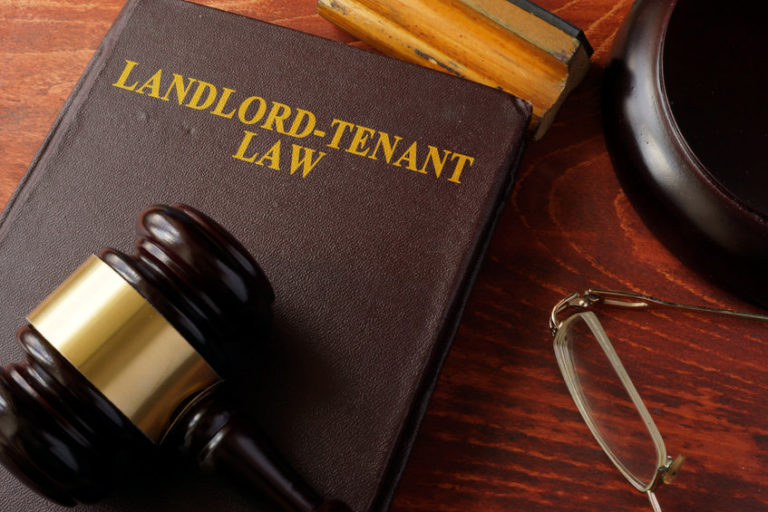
(366, 188)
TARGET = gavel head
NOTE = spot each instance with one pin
(119, 350)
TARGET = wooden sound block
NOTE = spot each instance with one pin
(512, 45)
(684, 111)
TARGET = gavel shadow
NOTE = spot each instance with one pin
(166, 483)
(285, 375)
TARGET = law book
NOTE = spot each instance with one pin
(367, 189)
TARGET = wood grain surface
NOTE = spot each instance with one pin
(502, 433)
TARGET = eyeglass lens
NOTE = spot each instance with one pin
(613, 414)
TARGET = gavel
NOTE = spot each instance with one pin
(134, 351)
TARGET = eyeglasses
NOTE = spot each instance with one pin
(604, 394)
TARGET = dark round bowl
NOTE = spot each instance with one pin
(685, 111)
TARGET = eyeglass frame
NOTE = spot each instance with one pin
(580, 306)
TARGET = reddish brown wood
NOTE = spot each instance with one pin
(502, 433)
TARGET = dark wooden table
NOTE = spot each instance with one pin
(502, 433)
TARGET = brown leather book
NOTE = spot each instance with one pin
(367, 188)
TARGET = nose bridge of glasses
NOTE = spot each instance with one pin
(672, 469)
(665, 474)
(654, 502)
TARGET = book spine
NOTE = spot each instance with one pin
(467, 276)
(64, 119)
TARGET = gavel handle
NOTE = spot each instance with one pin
(245, 454)
(232, 445)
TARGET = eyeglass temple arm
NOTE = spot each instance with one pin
(632, 300)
